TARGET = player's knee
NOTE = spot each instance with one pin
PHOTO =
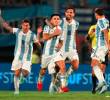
(94, 62)
(25, 73)
(17, 73)
(75, 64)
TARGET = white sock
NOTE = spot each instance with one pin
(63, 80)
(16, 83)
(98, 73)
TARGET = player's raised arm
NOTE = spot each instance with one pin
(5, 25)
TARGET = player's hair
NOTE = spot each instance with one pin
(55, 14)
(25, 21)
(99, 11)
(70, 7)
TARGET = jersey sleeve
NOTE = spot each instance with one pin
(46, 29)
(77, 25)
(15, 30)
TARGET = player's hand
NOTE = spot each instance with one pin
(57, 32)
(38, 43)
(39, 29)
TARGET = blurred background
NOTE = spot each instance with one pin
(13, 11)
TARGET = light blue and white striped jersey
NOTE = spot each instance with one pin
(69, 34)
(102, 24)
(24, 44)
(50, 45)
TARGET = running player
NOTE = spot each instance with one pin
(69, 27)
(51, 55)
(25, 38)
(91, 36)
(102, 47)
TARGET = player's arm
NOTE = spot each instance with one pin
(47, 36)
(39, 32)
(48, 23)
(90, 34)
(5, 25)
(36, 40)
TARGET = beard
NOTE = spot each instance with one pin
(68, 18)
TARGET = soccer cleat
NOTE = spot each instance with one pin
(39, 86)
(93, 91)
(16, 93)
(65, 89)
(104, 89)
(99, 86)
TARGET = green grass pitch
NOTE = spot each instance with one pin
(30, 95)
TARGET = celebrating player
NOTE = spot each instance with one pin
(25, 38)
(102, 47)
(91, 36)
(51, 55)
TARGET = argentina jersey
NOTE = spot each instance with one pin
(50, 45)
(102, 24)
(24, 44)
(69, 34)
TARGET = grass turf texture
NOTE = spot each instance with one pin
(29, 95)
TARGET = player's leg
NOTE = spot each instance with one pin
(16, 68)
(103, 67)
(16, 80)
(41, 74)
(61, 65)
(99, 56)
(55, 80)
(94, 82)
(62, 75)
(98, 72)
(44, 64)
(74, 66)
(40, 79)
(73, 56)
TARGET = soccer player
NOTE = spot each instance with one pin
(25, 38)
(69, 26)
(102, 47)
(51, 55)
(91, 36)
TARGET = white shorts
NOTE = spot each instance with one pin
(99, 53)
(52, 58)
(17, 64)
(71, 55)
